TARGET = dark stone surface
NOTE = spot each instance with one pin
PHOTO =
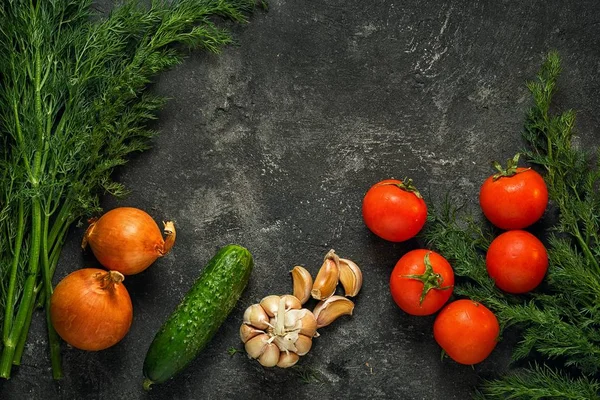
(272, 145)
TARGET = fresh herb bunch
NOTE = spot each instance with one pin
(73, 106)
(558, 323)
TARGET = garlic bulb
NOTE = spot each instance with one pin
(277, 331)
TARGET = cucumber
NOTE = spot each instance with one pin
(197, 318)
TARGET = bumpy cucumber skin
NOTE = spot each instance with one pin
(197, 318)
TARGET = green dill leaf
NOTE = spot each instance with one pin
(73, 107)
(558, 321)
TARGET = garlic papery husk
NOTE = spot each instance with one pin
(332, 308)
(327, 278)
(350, 277)
(290, 330)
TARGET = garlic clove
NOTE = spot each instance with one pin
(292, 318)
(327, 278)
(270, 356)
(291, 302)
(303, 344)
(329, 310)
(302, 320)
(302, 283)
(256, 346)
(256, 316)
(287, 359)
(350, 277)
(308, 325)
(247, 332)
(270, 304)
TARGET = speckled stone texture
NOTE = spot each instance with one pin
(272, 145)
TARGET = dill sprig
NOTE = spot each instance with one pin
(539, 383)
(73, 107)
(559, 321)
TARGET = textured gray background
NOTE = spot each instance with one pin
(272, 145)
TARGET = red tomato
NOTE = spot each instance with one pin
(422, 282)
(517, 261)
(467, 331)
(394, 210)
(516, 201)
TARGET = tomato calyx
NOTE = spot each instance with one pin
(430, 279)
(510, 170)
(406, 184)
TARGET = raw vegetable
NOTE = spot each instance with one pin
(558, 351)
(277, 331)
(467, 331)
(126, 239)
(72, 108)
(517, 261)
(91, 309)
(327, 278)
(421, 282)
(302, 283)
(394, 210)
(333, 271)
(351, 277)
(195, 321)
(328, 310)
(515, 197)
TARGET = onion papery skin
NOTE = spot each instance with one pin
(91, 309)
(128, 240)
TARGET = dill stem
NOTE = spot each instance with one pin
(23, 338)
(53, 340)
(18, 128)
(55, 242)
(60, 221)
(586, 249)
(8, 352)
(37, 160)
(36, 291)
(20, 136)
(40, 302)
(10, 299)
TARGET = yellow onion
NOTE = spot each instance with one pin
(127, 240)
(91, 309)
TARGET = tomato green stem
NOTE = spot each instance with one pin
(510, 170)
(430, 279)
(407, 185)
